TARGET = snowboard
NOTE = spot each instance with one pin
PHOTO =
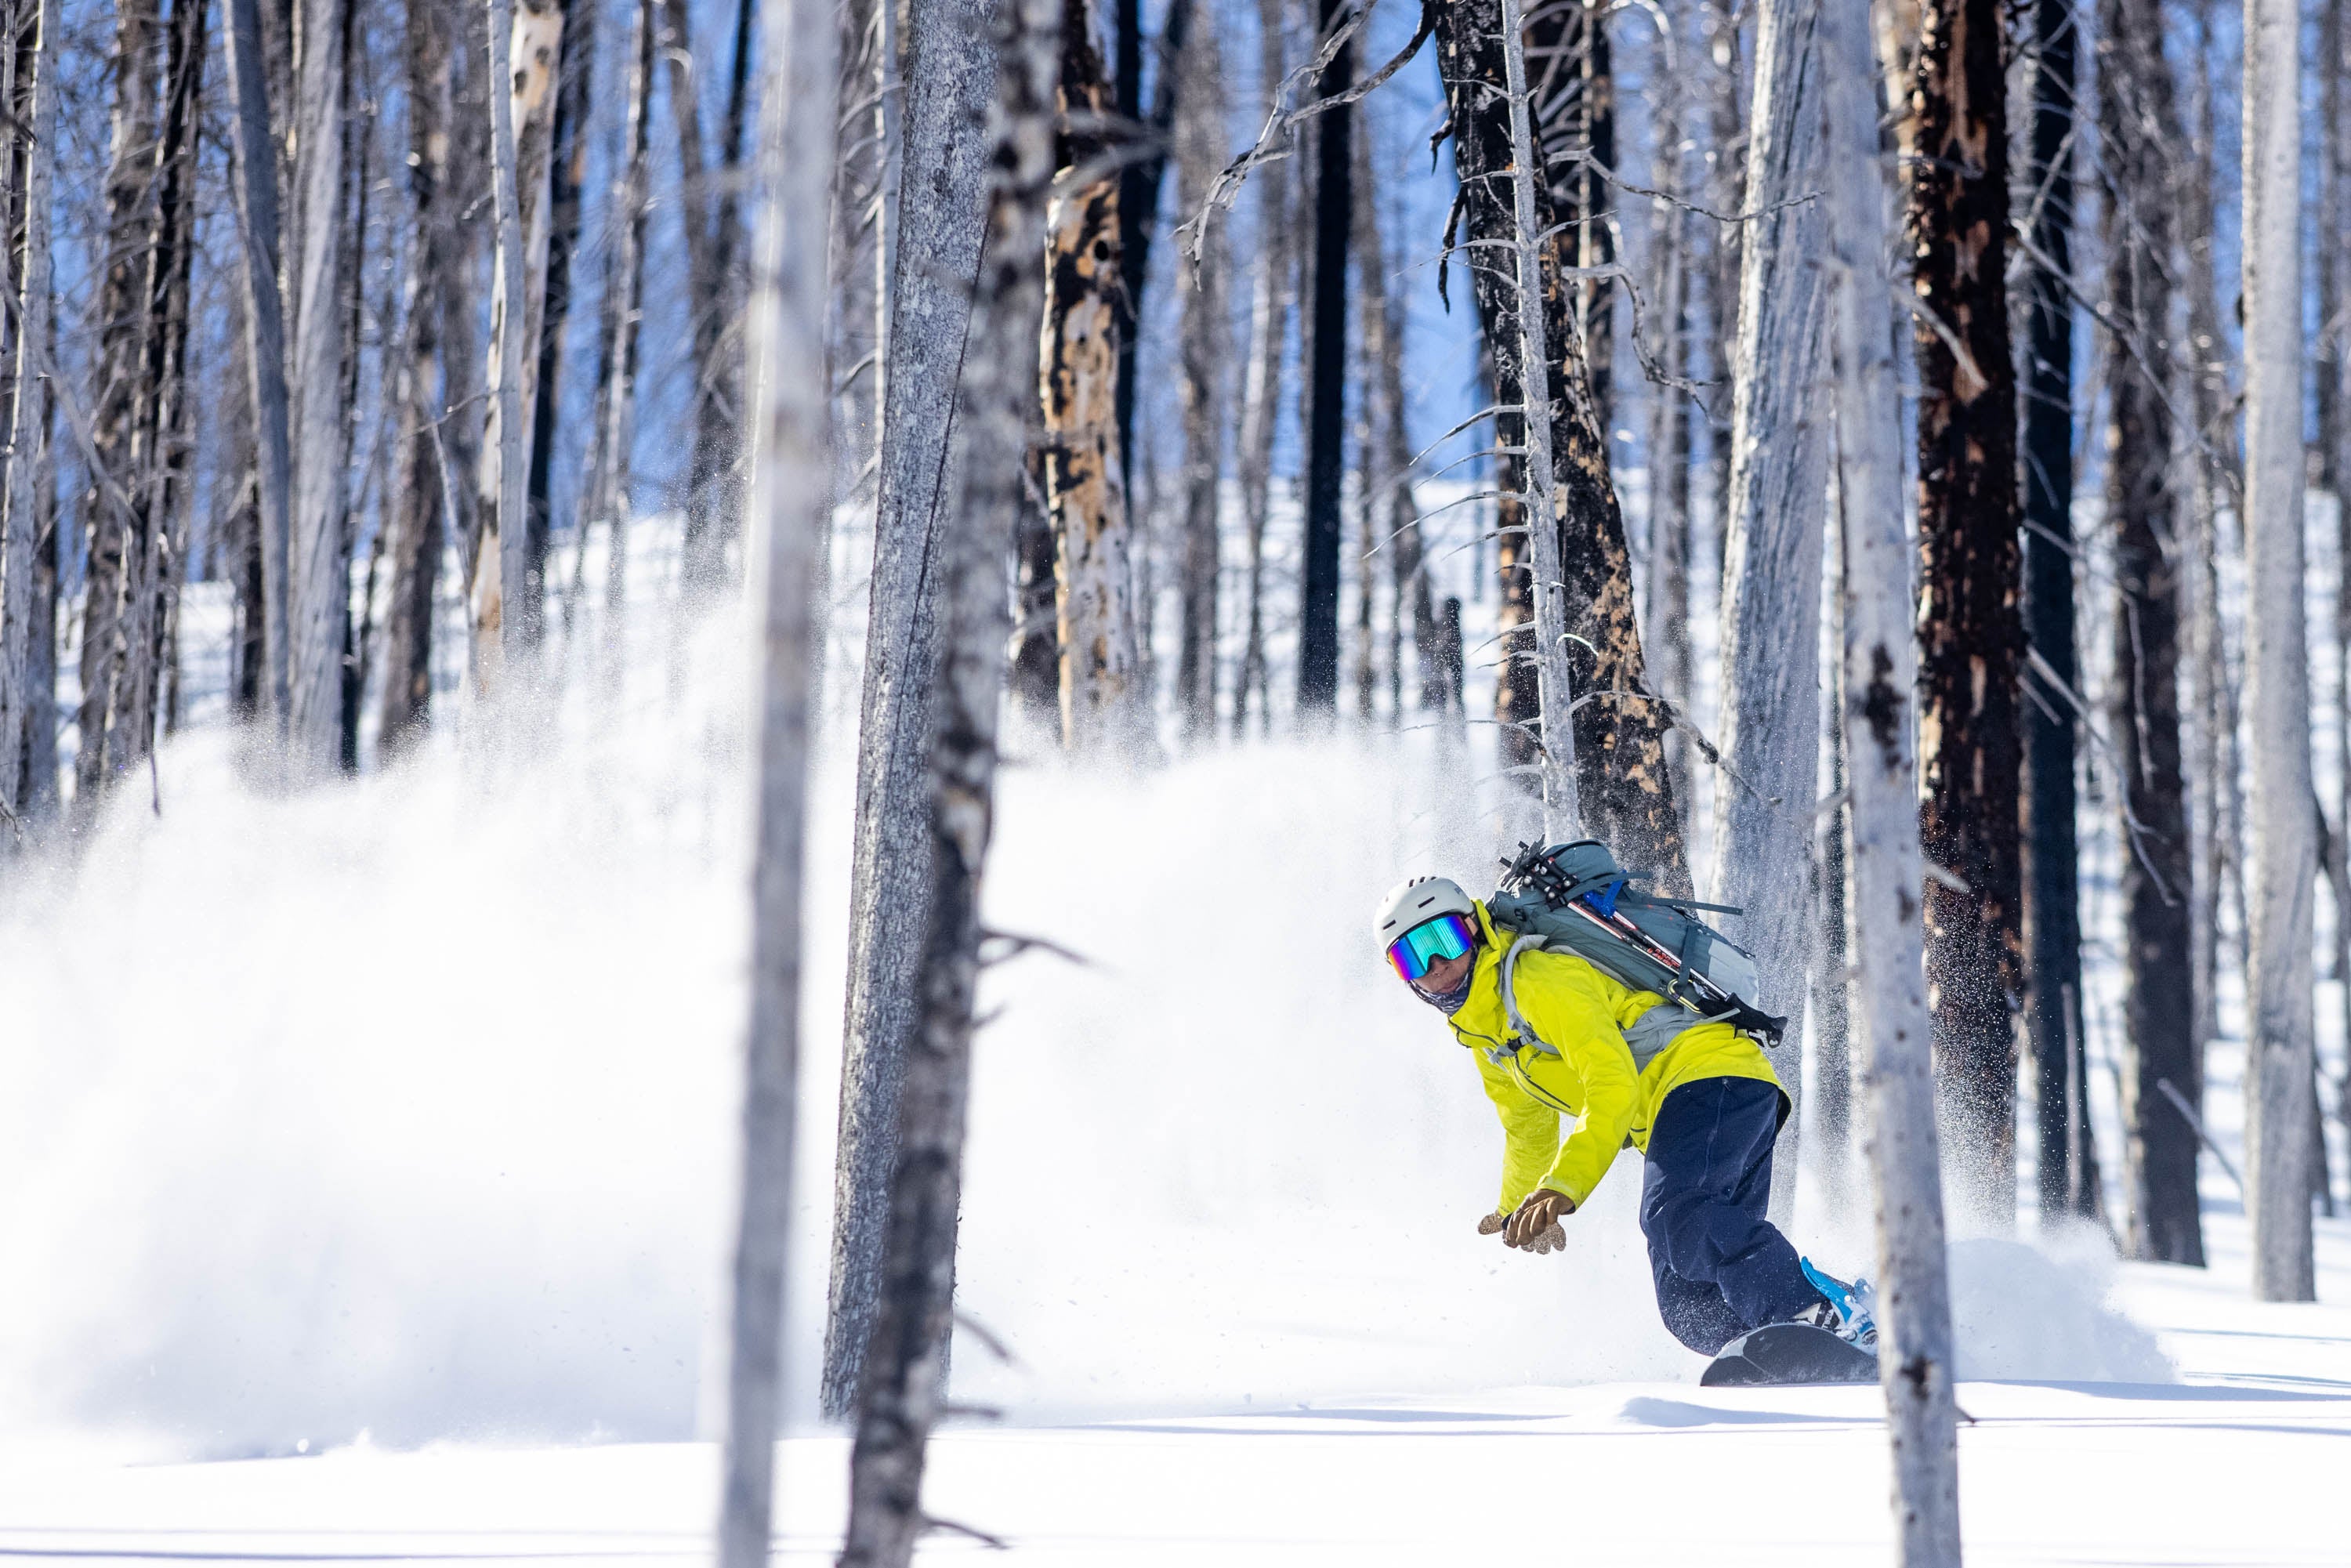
(1788, 1353)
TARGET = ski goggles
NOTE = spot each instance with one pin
(1447, 936)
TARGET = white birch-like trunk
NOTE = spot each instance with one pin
(1270, 277)
(24, 437)
(319, 580)
(618, 437)
(504, 545)
(1772, 553)
(1888, 937)
(791, 502)
(2284, 848)
(518, 293)
(1562, 819)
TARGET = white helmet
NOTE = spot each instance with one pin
(1416, 901)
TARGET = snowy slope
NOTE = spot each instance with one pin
(2231, 1466)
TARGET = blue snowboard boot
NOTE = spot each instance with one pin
(1849, 1312)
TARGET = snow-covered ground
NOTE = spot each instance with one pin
(2230, 1465)
(365, 1152)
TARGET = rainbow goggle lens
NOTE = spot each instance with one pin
(1447, 936)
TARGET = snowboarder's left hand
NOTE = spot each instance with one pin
(1535, 1227)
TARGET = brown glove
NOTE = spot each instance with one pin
(1535, 1227)
(1492, 1224)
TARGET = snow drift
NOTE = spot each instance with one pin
(407, 1105)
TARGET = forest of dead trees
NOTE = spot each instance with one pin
(1163, 354)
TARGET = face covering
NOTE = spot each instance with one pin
(1449, 1002)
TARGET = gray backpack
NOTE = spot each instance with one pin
(1574, 898)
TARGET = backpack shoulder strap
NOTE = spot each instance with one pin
(1518, 1026)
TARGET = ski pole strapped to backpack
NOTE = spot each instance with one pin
(1574, 898)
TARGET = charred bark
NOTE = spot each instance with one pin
(567, 167)
(2053, 922)
(1574, 107)
(27, 92)
(905, 1357)
(1971, 641)
(709, 241)
(1326, 386)
(1101, 689)
(1139, 182)
(420, 526)
(2136, 129)
(139, 484)
(1625, 791)
(950, 78)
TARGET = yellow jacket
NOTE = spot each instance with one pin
(1588, 1074)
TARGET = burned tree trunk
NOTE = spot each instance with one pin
(1388, 463)
(1567, 50)
(1915, 1351)
(792, 466)
(1140, 181)
(2284, 855)
(902, 1386)
(2207, 469)
(1102, 692)
(509, 585)
(1574, 108)
(2051, 905)
(949, 78)
(1270, 296)
(2136, 131)
(1623, 790)
(420, 529)
(26, 92)
(625, 295)
(864, 205)
(567, 167)
(1036, 629)
(1554, 691)
(1728, 121)
(138, 485)
(1207, 345)
(34, 751)
(1665, 612)
(1829, 1132)
(709, 227)
(1772, 537)
(1326, 386)
(256, 181)
(321, 424)
(1971, 634)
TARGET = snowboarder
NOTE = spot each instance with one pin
(1705, 1110)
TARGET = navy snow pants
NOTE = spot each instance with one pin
(1721, 1266)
